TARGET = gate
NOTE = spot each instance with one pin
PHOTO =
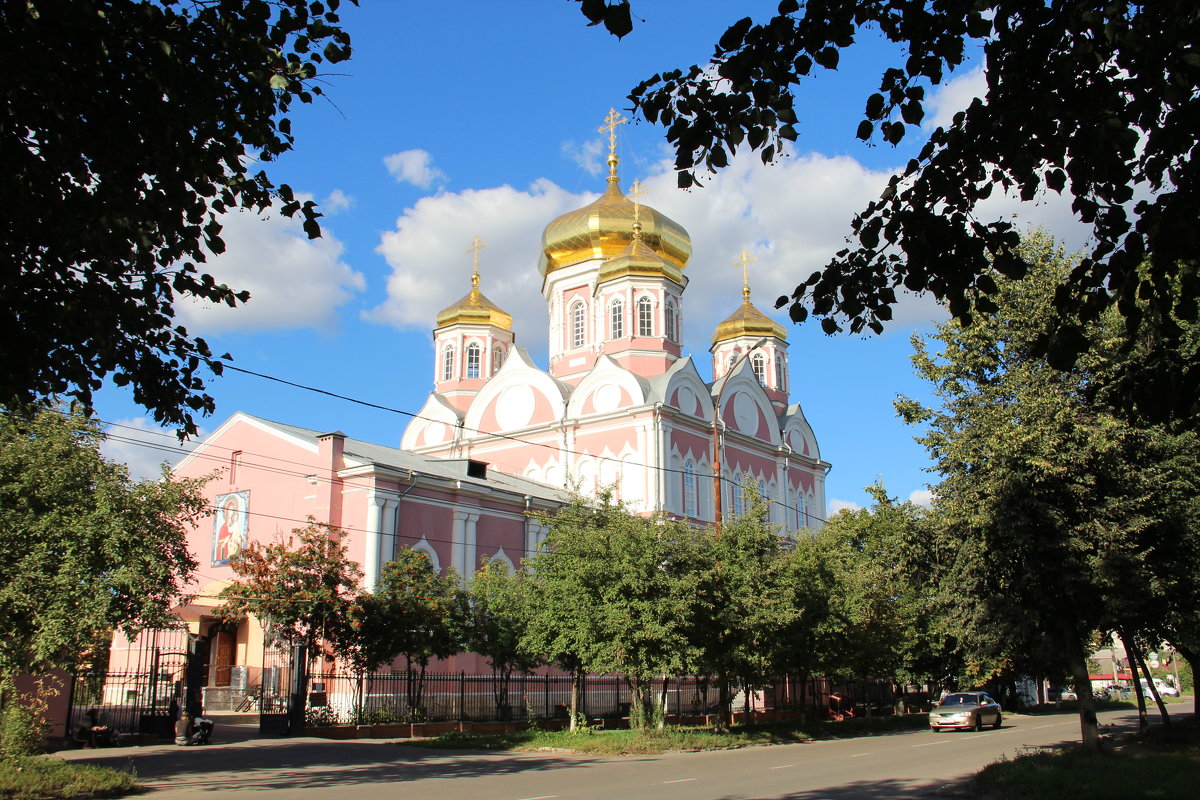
(274, 693)
(158, 676)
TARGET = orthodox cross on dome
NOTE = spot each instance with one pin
(476, 245)
(636, 191)
(744, 261)
(610, 124)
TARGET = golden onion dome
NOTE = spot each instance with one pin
(748, 321)
(640, 260)
(604, 228)
(474, 309)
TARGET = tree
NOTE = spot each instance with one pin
(417, 614)
(498, 618)
(129, 128)
(743, 606)
(1057, 513)
(1092, 99)
(614, 592)
(87, 550)
(301, 589)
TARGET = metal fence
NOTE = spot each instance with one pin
(383, 697)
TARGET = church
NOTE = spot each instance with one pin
(500, 438)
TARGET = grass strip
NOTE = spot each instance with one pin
(51, 779)
(1162, 764)
(631, 742)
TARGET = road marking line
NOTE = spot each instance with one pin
(1054, 725)
(539, 797)
(857, 755)
(681, 780)
(931, 744)
(784, 766)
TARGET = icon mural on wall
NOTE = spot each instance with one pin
(229, 526)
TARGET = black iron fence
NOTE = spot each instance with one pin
(388, 697)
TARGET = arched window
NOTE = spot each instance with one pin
(425, 547)
(689, 489)
(801, 512)
(497, 359)
(759, 363)
(739, 497)
(577, 325)
(448, 363)
(616, 319)
(645, 317)
(672, 321)
(779, 372)
(473, 358)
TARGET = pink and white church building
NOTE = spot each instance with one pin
(501, 438)
(620, 404)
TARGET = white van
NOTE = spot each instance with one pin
(1164, 689)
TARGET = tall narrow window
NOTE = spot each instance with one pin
(448, 363)
(473, 358)
(801, 512)
(645, 317)
(577, 325)
(759, 364)
(689, 489)
(672, 319)
(497, 359)
(739, 497)
(616, 320)
(779, 372)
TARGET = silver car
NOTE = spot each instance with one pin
(965, 710)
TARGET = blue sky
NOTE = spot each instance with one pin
(480, 118)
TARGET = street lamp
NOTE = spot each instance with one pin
(716, 434)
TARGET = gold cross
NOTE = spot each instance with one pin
(636, 191)
(744, 261)
(474, 249)
(610, 124)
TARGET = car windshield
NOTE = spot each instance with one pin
(960, 700)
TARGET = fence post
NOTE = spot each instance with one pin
(546, 695)
(462, 693)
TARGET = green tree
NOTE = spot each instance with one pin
(614, 592)
(1095, 100)
(499, 615)
(1055, 511)
(417, 614)
(88, 550)
(743, 605)
(301, 589)
(129, 128)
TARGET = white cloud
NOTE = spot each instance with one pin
(415, 167)
(793, 216)
(336, 202)
(431, 268)
(953, 96)
(143, 446)
(294, 281)
(834, 506)
(921, 497)
(588, 155)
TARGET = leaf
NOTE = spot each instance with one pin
(734, 35)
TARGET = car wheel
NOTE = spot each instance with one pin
(979, 722)
(935, 730)
(996, 726)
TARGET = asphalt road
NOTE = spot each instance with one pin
(909, 764)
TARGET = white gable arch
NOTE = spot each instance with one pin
(604, 386)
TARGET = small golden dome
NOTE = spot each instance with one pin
(604, 228)
(748, 321)
(474, 309)
(638, 259)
